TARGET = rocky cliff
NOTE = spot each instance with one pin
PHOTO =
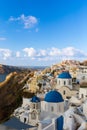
(10, 93)
(9, 69)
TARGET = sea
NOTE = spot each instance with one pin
(35, 67)
(2, 77)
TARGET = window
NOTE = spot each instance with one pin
(36, 106)
(64, 82)
(45, 106)
(33, 115)
(83, 78)
(24, 120)
(59, 108)
(69, 82)
(64, 92)
(52, 108)
(74, 80)
(59, 81)
(82, 96)
(33, 106)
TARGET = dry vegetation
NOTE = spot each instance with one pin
(11, 92)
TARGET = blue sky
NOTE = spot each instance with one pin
(42, 32)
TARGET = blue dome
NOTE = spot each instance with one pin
(35, 99)
(53, 96)
(65, 75)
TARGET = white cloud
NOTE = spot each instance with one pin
(5, 53)
(54, 53)
(69, 51)
(72, 52)
(42, 53)
(2, 38)
(14, 19)
(30, 52)
(28, 21)
(49, 55)
(17, 54)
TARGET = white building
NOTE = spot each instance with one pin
(73, 120)
(64, 79)
(75, 101)
(67, 92)
(53, 103)
(83, 92)
(26, 101)
(35, 110)
(82, 74)
(85, 108)
(65, 85)
(47, 114)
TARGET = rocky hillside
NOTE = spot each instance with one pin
(9, 69)
(74, 62)
(54, 70)
(11, 91)
(65, 65)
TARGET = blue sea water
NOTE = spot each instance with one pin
(2, 77)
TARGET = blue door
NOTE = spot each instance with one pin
(60, 123)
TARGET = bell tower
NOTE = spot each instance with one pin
(35, 110)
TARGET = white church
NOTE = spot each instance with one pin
(64, 85)
(64, 79)
(46, 114)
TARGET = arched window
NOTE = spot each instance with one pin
(52, 108)
(36, 106)
(64, 82)
(69, 82)
(64, 92)
(45, 107)
(33, 106)
(59, 108)
(24, 120)
(83, 78)
(33, 115)
(82, 95)
(59, 82)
